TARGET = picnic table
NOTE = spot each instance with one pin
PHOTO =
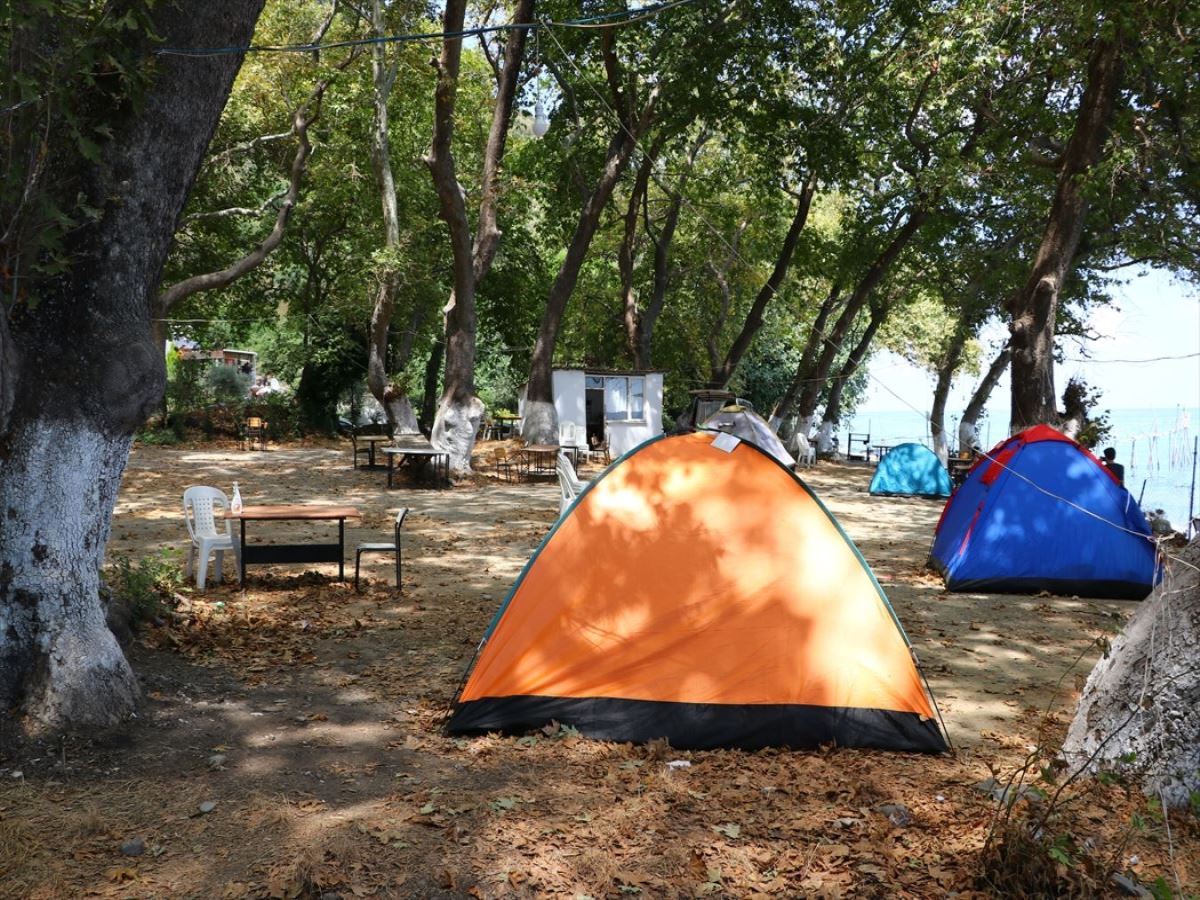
(371, 441)
(959, 465)
(880, 450)
(292, 553)
(506, 424)
(416, 448)
(541, 459)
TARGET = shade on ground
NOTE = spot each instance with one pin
(707, 597)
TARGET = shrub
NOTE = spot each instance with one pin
(146, 588)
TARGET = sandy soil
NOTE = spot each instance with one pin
(310, 716)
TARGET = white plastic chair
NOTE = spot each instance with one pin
(569, 484)
(200, 506)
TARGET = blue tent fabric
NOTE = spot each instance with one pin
(1038, 513)
(911, 470)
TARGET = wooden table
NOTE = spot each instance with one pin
(881, 450)
(412, 449)
(508, 422)
(541, 459)
(371, 440)
(291, 553)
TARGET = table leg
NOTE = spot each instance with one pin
(391, 459)
(242, 554)
(341, 549)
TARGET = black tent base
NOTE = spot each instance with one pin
(704, 726)
(1098, 590)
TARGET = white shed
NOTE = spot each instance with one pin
(625, 405)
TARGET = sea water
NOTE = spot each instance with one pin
(1154, 445)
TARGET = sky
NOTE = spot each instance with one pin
(1153, 316)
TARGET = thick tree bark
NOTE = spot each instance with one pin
(540, 422)
(720, 375)
(1140, 708)
(831, 344)
(833, 406)
(460, 411)
(65, 439)
(968, 426)
(1034, 307)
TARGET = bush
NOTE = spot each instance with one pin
(145, 589)
(227, 384)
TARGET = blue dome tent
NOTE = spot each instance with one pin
(1040, 513)
(911, 470)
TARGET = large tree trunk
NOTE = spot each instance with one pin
(831, 344)
(65, 439)
(968, 426)
(719, 377)
(539, 424)
(460, 410)
(1140, 708)
(1034, 307)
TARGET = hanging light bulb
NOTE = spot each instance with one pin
(541, 122)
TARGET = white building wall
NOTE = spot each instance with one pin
(624, 436)
(569, 398)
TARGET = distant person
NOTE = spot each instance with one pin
(1110, 463)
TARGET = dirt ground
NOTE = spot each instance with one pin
(289, 743)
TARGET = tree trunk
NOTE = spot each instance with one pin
(65, 435)
(393, 399)
(540, 421)
(968, 427)
(783, 409)
(720, 376)
(460, 411)
(627, 254)
(941, 390)
(429, 398)
(1140, 708)
(833, 406)
(831, 344)
(1034, 307)
(639, 323)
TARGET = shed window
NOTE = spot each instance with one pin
(624, 398)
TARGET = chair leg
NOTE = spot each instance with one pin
(399, 588)
(219, 574)
(190, 550)
(202, 567)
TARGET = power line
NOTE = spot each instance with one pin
(1152, 359)
(604, 20)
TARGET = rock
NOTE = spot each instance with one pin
(134, 847)
(216, 761)
(896, 813)
(1129, 887)
(207, 806)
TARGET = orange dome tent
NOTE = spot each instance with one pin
(699, 591)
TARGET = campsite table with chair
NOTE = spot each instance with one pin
(372, 442)
(506, 425)
(541, 459)
(416, 449)
(880, 450)
(292, 553)
(958, 466)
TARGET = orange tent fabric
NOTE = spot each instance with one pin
(688, 589)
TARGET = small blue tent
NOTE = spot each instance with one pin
(911, 470)
(1040, 513)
